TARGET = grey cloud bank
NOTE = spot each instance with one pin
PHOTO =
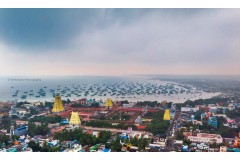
(119, 41)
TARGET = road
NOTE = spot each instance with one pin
(171, 133)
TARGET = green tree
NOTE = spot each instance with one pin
(142, 144)
(33, 111)
(134, 141)
(45, 147)
(35, 146)
(179, 135)
(6, 123)
(186, 141)
(4, 139)
(44, 119)
(15, 137)
(37, 130)
(116, 145)
(54, 149)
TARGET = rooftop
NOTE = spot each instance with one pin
(205, 135)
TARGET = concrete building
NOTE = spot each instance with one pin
(20, 131)
(188, 109)
(172, 114)
(213, 110)
(138, 120)
(223, 149)
(205, 138)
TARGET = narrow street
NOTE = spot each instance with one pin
(171, 133)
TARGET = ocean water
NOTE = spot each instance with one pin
(140, 88)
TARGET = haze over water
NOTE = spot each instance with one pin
(138, 88)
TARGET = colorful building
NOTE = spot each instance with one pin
(172, 114)
(237, 141)
(213, 121)
(83, 101)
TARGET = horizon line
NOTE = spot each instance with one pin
(211, 75)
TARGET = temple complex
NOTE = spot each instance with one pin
(166, 115)
(58, 106)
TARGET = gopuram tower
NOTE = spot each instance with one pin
(58, 106)
(75, 119)
(166, 115)
(109, 103)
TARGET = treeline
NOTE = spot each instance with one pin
(103, 138)
(119, 116)
(158, 125)
(6, 123)
(102, 124)
(203, 101)
(80, 105)
(233, 114)
(4, 140)
(116, 146)
(37, 130)
(83, 138)
(44, 119)
(148, 103)
(45, 148)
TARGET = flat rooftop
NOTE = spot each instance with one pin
(205, 135)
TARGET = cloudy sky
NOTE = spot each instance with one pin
(119, 41)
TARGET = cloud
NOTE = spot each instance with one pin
(44, 28)
(123, 41)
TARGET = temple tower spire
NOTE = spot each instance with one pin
(58, 106)
(75, 119)
(166, 115)
(109, 103)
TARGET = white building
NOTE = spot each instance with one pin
(188, 109)
(206, 138)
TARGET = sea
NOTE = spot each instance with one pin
(131, 88)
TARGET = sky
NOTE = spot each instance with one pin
(119, 41)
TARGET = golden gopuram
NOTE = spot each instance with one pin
(109, 103)
(75, 119)
(58, 106)
(166, 115)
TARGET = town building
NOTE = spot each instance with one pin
(57, 129)
(138, 120)
(172, 114)
(204, 138)
(237, 141)
(213, 121)
(189, 109)
(20, 131)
